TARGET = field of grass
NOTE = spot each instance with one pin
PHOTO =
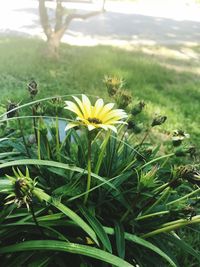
(174, 93)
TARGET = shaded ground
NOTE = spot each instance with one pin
(146, 22)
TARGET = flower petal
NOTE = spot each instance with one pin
(97, 107)
(105, 110)
(91, 127)
(70, 125)
(86, 106)
(78, 101)
(73, 107)
(113, 128)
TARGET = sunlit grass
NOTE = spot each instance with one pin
(81, 70)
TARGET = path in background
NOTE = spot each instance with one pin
(147, 22)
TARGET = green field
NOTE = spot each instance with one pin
(175, 93)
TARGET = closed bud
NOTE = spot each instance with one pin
(138, 108)
(123, 98)
(178, 136)
(158, 120)
(39, 109)
(32, 88)
(134, 126)
(113, 84)
(11, 109)
(181, 151)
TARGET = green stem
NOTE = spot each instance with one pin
(57, 140)
(145, 137)
(39, 140)
(101, 155)
(89, 169)
(24, 141)
(34, 122)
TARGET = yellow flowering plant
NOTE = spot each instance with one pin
(97, 116)
(94, 117)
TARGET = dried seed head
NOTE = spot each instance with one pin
(189, 173)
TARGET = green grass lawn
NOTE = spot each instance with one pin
(81, 70)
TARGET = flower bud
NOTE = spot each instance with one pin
(11, 109)
(158, 120)
(134, 126)
(113, 84)
(39, 109)
(138, 108)
(32, 88)
(123, 98)
(178, 136)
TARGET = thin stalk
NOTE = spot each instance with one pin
(34, 123)
(89, 169)
(145, 136)
(57, 140)
(103, 147)
(39, 140)
(24, 141)
(48, 149)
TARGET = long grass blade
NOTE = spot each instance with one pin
(54, 245)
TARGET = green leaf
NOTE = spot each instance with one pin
(68, 212)
(98, 228)
(183, 245)
(144, 243)
(54, 164)
(54, 245)
(120, 239)
(6, 186)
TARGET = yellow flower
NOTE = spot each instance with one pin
(98, 116)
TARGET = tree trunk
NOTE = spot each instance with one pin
(54, 35)
(53, 43)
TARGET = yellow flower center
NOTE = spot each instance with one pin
(94, 120)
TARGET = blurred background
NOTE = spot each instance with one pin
(68, 47)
